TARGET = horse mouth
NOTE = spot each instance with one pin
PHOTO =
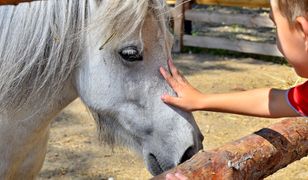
(155, 167)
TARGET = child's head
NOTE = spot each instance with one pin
(290, 17)
(292, 9)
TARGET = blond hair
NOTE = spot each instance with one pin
(293, 8)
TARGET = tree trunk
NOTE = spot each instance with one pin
(252, 157)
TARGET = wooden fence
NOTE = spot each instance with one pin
(183, 12)
(240, 3)
(252, 157)
(15, 2)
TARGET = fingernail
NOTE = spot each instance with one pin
(164, 96)
(168, 176)
(178, 174)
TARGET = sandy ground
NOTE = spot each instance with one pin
(75, 153)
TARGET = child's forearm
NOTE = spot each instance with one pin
(259, 102)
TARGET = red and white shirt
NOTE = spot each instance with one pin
(298, 98)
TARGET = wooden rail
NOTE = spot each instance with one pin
(240, 3)
(183, 13)
(232, 45)
(252, 157)
(14, 2)
(213, 17)
(171, 1)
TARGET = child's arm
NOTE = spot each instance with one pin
(259, 102)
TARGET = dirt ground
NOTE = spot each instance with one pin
(75, 153)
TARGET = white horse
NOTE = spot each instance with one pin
(107, 52)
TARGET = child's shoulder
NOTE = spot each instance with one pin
(304, 86)
(300, 90)
(298, 98)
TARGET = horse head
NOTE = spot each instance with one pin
(119, 80)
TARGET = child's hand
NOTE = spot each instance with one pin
(189, 98)
(176, 176)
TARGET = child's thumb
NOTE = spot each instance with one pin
(170, 99)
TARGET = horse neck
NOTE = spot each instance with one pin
(39, 114)
(23, 135)
(24, 128)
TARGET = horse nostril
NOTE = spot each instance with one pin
(188, 154)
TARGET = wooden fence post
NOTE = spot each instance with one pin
(252, 157)
(178, 17)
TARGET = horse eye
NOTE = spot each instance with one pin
(131, 54)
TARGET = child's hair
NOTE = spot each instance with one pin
(293, 8)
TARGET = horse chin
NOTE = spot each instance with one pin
(156, 167)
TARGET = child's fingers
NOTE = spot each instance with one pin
(176, 176)
(175, 72)
(173, 69)
(170, 80)
(171, 177)
(180, 176)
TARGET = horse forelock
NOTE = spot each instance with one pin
(41, 42)
(119, 19)
(115, 20)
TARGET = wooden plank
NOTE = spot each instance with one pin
(233, 45)
(178, 17)
(247, 20)
(14, 2)
(252, 157)
(240, 3)
(171, 1)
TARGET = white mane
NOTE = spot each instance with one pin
(41, 42)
